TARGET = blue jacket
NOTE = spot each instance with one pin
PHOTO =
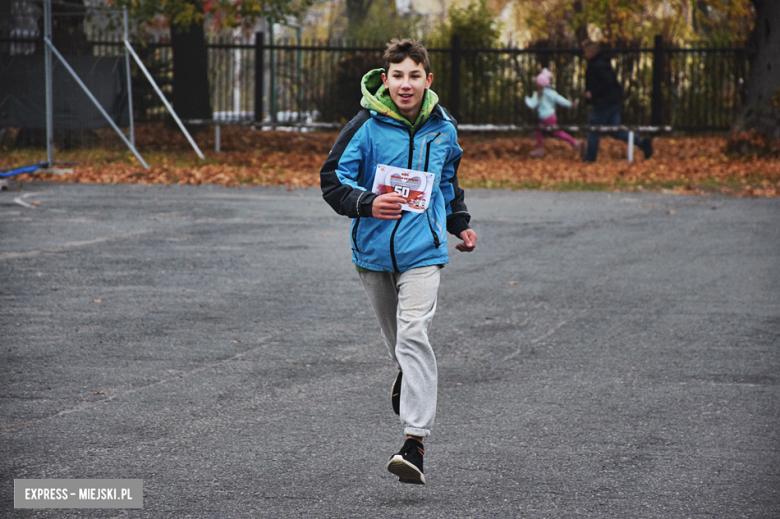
(416, 239)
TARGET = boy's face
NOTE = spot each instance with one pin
(407, 83)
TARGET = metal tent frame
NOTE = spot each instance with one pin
(50, 50)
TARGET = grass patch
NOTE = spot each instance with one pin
(501, 184)
(576, 185)
(667, 184)
(22, 157)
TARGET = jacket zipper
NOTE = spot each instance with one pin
(398, 223)
(428, 151)
(411, 148)
(436, 242)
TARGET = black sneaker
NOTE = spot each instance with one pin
(647, 147)
(395, 394)
(407, 463)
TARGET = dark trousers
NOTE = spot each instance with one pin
(609, 116)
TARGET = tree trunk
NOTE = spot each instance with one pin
(357, 12)
(582, 31)
(191, 98)
(761, 112)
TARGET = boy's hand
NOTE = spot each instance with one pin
(469, 238)
(387, 206)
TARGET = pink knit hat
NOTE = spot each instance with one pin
(543, 79)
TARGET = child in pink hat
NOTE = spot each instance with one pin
(544, 101)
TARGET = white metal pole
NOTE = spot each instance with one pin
(162, 97)
(49, 86)
(95, 102)
(129, 79)
(630, 147)
(237, 71)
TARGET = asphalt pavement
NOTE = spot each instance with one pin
(601, 355)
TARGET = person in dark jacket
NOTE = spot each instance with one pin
(604, 92)
(407, 142)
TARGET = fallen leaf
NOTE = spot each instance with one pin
(293, 159)
(97, 300)
(511, 282)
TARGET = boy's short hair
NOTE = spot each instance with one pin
(399, 50)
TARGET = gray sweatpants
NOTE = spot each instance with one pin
(404, 305)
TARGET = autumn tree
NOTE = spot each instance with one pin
(555, 23)
(722, 22)
(634, 22)
(475, 23)
(186, 21)
(357, 12)
(758, 125)
(379, 21)
(481, 74)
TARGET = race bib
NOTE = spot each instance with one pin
(414, 186)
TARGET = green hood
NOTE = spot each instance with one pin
(377, 98)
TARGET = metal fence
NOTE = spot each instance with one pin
(254, 81)
(689, 89)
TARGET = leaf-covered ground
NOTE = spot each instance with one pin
(685, 165)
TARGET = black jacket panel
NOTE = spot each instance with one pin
(602, 83)
(341, 197)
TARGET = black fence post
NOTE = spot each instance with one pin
(455, 56)
(259, 73)
(658, 77)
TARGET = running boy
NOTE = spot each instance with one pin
(398, 253)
